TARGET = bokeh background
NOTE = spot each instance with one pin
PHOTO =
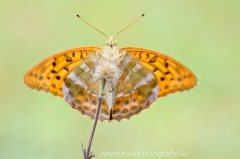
(204, 35)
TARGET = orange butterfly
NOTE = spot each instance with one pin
(131, 79)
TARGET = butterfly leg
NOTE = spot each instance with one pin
(120, 56)
(102, 55)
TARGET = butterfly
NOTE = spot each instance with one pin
(130, 78)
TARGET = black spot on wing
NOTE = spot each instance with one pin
(162, 78)
(81, 54)
(58, 77)
(153, 59)
(166, 73)
(53, 71)
(166, 64)
(155, 69)
(65, 68)
(147, 56)
(68, 59)
(140, 55)
(54, 63)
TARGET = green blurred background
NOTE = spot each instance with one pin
(204, 35)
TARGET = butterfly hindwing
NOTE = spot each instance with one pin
(170, 74)
(81, 92)
(137, 89)
(49, 74)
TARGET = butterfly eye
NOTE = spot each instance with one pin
(115, 43)
(107, 43)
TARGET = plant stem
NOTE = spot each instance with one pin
(88, 154)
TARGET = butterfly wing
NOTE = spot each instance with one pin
(170, 74)
(146, 75)
(49, 74)
(137, 89)
(81, 92)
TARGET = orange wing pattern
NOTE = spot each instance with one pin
(49, 74)
(170, 74)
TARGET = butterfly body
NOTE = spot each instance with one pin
(131, 79)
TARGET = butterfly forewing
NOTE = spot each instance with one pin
(49, 74)
(170, 74)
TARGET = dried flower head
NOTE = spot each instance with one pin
(107, 71)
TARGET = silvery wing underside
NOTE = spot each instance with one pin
(136, 90)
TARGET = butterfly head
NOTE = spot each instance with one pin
(111, 48)
(111, 42)
(111, 45)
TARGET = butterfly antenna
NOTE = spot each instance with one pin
(129, 25)
(92, 26)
